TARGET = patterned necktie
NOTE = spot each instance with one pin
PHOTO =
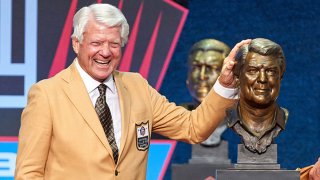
(105, 117)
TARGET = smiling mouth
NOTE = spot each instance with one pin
(102, 62)
(262, 91)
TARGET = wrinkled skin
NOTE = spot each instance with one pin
(99, 53)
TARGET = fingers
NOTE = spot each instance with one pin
(229, 65)
(227, 78)
(226, 71)
(236, 48)
(234, 51)
(229, 61)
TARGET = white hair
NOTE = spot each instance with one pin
(103, 13)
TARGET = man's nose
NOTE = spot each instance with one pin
(105, 50)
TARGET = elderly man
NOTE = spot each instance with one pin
(91, 121)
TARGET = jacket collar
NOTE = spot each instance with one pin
(78, 94)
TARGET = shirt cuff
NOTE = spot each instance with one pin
(228, 93)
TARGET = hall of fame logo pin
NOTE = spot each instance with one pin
(142, 131)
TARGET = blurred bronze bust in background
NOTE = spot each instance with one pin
(257, 118)
(204, 65)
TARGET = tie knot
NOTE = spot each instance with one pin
(102, 89)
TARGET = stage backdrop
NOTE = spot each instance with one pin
(293, 24)
(35, 44)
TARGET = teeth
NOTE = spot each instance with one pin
(102, 62)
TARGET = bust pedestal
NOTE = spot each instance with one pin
(203, 163)
(252, 166)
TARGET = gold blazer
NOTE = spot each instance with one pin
(61, 136)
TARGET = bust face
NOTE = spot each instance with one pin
(204, 69)
(260, 80)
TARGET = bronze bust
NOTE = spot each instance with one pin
(204, 66)
(256, 117)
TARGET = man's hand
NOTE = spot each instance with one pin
(227, 78)
(314, 173)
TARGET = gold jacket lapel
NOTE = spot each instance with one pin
(125, 104)
(76, 91)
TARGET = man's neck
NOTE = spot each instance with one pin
(257, 120)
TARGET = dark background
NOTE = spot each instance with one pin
(292, 24)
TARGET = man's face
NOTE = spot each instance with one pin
(99, 53)
(204, 69)
(260, 80)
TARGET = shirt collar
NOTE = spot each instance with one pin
(233, 117)
(90, 83)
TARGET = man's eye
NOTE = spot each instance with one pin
(115, 45)
(95, 43)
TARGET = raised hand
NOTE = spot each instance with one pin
(227, 78)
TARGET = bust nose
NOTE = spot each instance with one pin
(203, 75)
(262, 76)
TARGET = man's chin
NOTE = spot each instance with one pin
(101, 77)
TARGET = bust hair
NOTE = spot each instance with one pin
(263, 47)
(211, 44)
(102, 13)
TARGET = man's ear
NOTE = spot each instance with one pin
(75, 45)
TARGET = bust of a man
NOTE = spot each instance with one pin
(204, 66)
(257, 118)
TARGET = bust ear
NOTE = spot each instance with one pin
(283, 67)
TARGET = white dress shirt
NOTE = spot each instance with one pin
(112, 98)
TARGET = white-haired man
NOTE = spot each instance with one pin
(91, 121)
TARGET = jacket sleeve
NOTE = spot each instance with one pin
(34, 136)
(176, 122)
